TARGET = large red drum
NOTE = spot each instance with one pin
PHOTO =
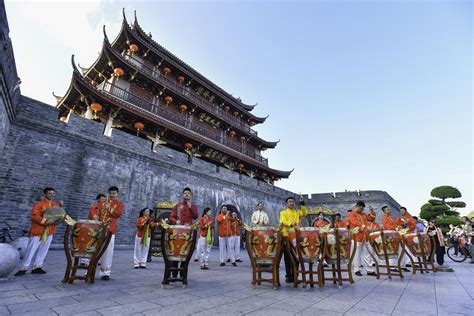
(392, 242)
(85, 238)
(178, 240)
(415, 244)
(263, 242)
(344, 244)
(310, 242)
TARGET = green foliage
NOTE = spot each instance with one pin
(435, 202)
(456, 204)
(443, 211)
(445, 191)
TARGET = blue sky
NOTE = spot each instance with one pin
(363, 94)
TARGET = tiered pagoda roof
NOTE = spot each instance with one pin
(138, 86)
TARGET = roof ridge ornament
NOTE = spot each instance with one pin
(106, 38)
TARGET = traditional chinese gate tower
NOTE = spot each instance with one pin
(138, 86)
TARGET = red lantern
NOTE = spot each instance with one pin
(180, 79)
(240, 166)
(168, 100)
(96, 107)
(242, 139)
(263, 148)
(232, 134)
(63, 118)
(252, 123)
(166, 70)
(118, 72)
(264, 174)
(236, 113)
(226, 108)
(188, 146)
(133, 48)
(183, 107)
(138, 126)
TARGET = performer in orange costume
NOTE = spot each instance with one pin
(358, 219)
(41, 234)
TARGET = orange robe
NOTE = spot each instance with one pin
(141, 224)
(340, 223)
(105, 215)
(390, 223)
(320, 223)
(204, 223)
(360, 220)
(224, 225)
(37, 224)
(411, 222)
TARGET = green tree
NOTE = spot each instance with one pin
(443, 211)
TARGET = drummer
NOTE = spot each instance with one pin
(92, 211)
(407, 220)
(289, 218)
(183, 213)
(321, 221)
(109, 210)
(260, 217)
(358, 219)
(340, 223)
(391, 223)
(41, 234)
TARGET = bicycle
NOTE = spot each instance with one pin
(463, 251)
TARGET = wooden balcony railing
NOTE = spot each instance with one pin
(191, 95)
(177, 119)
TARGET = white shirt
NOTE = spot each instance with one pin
(260, 218)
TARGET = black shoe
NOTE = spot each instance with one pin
(238, 260)
(358, 273)
(196, 260)
(394, 270)
(206, 268)
(202, 268)
(408, 265)
(234, 264)
(325, 265)
(142, 267)
(228, 260)
(405, 269)
(222, 264)
(21, 272)
(372, 273)
(289, 280)
(38, 271)
(137, 267)
(105, 278)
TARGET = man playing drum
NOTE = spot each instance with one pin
(108, 211)
(224, 230)
(93, 209)
(41, 234)
(289, 218)
(358, 219)
(183, 213)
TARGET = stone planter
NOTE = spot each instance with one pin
(9, 259)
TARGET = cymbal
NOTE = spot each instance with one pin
(54, 215)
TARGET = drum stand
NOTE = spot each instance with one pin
(307, 274)
(260, 267)
(426, 259)
(386, 258)
(180, 267)
(91, 267)
(336, 267)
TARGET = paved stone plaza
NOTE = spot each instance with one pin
(227, 291)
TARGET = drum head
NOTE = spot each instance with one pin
(54, 215)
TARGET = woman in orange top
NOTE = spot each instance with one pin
(206, 237)
(144, 225)
(320, 222)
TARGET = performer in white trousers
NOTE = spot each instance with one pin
(358, 219)
(109, 211)
(41, 235)
(206, 237)
(224, 230)
(236, 225)
(142, 238)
